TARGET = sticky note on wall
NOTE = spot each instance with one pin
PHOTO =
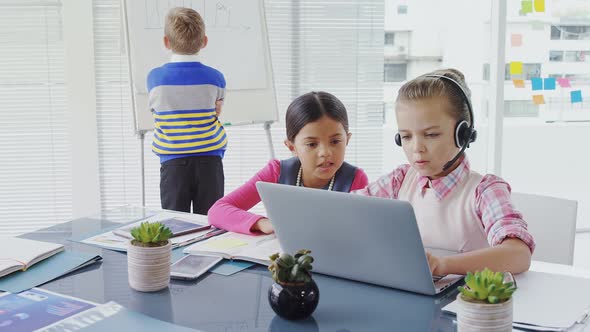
(526, 6)
(518, 83)
(538, 99)
(515, 68)
(549, 83)
(539, 6)
(564, 82)
(516, 40)
(576, 96)
(537, 83)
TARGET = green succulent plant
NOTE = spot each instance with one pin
(487, 286)
(151, 234)
(291, 269)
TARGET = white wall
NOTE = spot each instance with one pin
(550, 159)
(79, 56)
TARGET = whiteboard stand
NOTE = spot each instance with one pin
(142, 156)
(271, 149)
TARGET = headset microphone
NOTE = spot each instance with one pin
(452, 161)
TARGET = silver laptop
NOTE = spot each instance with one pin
(367, 239)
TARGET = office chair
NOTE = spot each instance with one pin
(552, 222)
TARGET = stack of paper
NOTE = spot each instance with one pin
(108, 238)
(178, 226)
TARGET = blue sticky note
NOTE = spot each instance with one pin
(576, 96)
(228, 268)
(537, 83)
(549, 83)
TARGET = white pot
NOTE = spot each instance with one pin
(475, 316)
(148, 267)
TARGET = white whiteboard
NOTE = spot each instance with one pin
(238, 47)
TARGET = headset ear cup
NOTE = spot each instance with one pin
(398, 139)
(462, 134)
(473, 136)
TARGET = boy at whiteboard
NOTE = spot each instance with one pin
(186, 98)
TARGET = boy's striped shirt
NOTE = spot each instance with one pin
(182, 97)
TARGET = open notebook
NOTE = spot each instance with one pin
(252, 248)
(19, 254)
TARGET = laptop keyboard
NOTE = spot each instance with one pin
(437, 278)
(442, 282)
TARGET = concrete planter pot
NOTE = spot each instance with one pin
(478, 316)
(149, 267)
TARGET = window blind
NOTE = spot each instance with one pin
(35, 168)
(118, 147)
(334, 46)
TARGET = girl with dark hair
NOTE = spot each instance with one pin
(317, 135)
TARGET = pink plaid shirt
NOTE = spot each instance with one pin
(492, 196)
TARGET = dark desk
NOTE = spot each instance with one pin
(239, 302)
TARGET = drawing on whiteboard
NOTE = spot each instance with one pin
(238, 47)
(222, 15)
(217, 18)
(223, 19)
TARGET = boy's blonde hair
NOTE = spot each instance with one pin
(427, 87)
(185, 30)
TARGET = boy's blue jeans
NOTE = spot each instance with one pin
(198, 180)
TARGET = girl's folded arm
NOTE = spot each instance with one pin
(231, 211)
(511, 243)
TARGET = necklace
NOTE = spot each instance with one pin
(298, 183)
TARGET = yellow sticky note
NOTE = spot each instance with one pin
(538, 99)
(226, 243)
(515, 68)
(518, 83)
(539, 6)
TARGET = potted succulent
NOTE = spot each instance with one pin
(485, 303)
(294, 294)
(148, 257)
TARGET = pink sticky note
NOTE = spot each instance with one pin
(564, 82)
(516, 40)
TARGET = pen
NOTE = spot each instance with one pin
(209, 234)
